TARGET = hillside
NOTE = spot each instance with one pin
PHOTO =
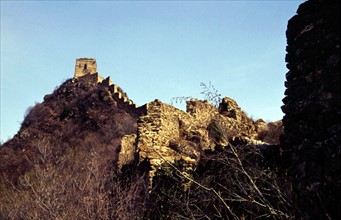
(78, 114)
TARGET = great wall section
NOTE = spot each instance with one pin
(86, 71)
(166, 134)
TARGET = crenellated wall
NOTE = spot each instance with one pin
(312, 140)
(86, 71)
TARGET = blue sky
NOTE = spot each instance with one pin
(152, 49)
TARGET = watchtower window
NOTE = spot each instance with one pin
(85, 66)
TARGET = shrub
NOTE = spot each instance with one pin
(272, 134)
(73, 186)
(230, 182)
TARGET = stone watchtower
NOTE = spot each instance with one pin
(85, 66)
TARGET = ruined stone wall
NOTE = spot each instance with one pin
(156, 130)
(163, 125)
(312, 108)
(202, 110)
(228, 113)
(166, 134)
(236, 120)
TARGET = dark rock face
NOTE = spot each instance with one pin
(312, 140)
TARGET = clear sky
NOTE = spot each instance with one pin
(151, 49)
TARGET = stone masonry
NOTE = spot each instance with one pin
(166, 134)
(312, 140)
(86, 71)
(85, 66)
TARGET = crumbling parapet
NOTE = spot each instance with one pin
(201, 110)
(158, 129)
(166, 134)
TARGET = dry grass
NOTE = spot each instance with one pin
(74, 177)
(228, 183)
(74, 186)
(273, 133)
(231, 182)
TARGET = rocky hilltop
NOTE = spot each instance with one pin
(82, 112)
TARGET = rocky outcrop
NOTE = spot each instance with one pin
(167, 135)
(312, 140)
